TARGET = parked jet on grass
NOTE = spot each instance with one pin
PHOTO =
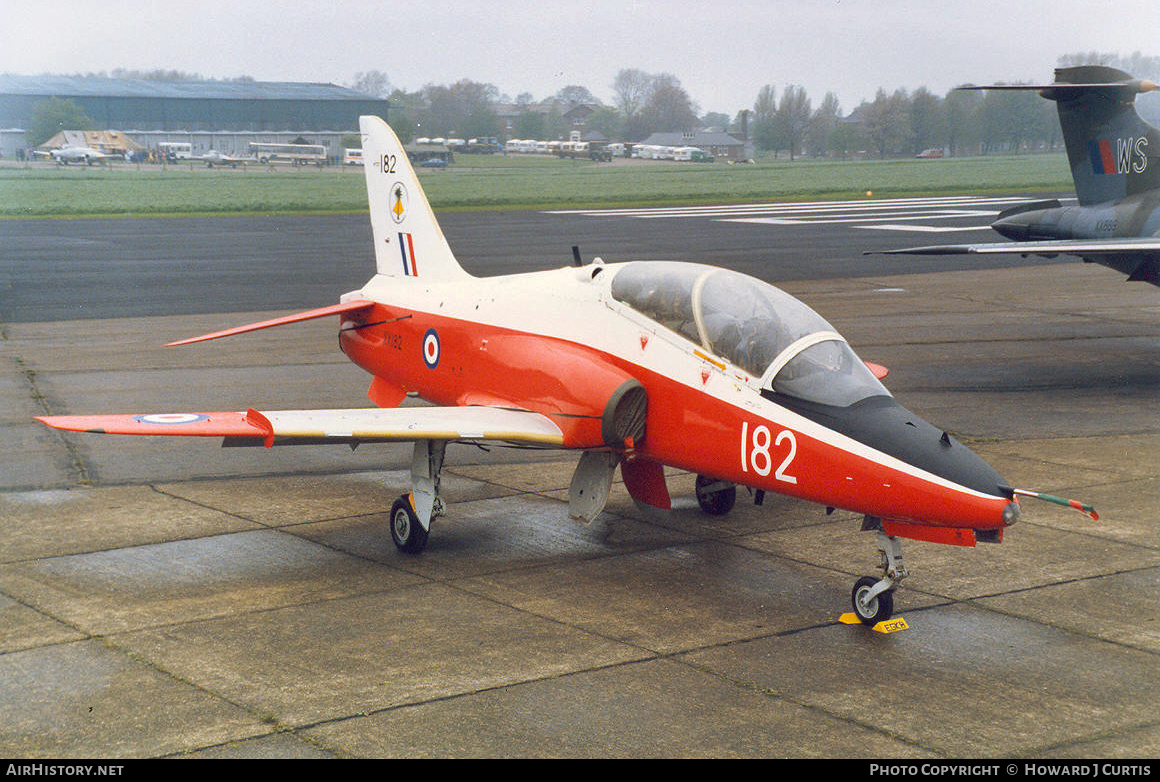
(216, 158)
(637, 365)
(1115, 164)
(77, 154)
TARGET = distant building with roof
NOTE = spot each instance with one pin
(137, 104)
(720, 145)
(188, 107)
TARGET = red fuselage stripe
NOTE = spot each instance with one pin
(685, 428)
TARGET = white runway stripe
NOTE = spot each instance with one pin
(887, 214)
(818, 220)
(798, 207)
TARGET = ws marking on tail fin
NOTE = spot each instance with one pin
(408, 240)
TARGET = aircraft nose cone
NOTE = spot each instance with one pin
(887, 426)
(1016, 227)
(883, 424)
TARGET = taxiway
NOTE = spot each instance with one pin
(162, 598)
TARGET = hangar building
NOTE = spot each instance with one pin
(192, 106)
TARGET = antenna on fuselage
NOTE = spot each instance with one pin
(576, 261)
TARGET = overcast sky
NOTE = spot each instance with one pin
(722, 51)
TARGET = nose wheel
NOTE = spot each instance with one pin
(869, 606)
(873, 598)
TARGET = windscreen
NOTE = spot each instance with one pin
(828, 373)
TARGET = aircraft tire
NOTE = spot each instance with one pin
(406, 531)
(879, 610)
(716, 503)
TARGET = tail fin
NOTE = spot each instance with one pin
(1113, 153)
(408, 240)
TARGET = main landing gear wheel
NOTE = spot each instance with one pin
(716, 497)
(406, 531)
(876, 609)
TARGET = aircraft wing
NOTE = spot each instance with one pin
(1081, 247)
(293, 427)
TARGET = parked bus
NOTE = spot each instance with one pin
(175, 150)
(295, 154)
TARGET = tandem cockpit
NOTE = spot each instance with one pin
(786, 347)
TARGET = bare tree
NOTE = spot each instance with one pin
(372, 83)
(823, 124)
(576, 95)
(960, 131)
(764, 115)
(794, 114)
(928, 121)
(887, 122)
(668, 106)
(630, 89)
(466, 108)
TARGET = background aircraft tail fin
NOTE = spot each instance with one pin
(408, 240)
(1112, 152)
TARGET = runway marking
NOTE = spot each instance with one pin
(795, 207)
(865, 217)
(887, 214)
(928, 229)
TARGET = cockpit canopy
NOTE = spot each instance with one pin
(751, 324)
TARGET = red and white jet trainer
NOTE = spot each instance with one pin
(636, 365)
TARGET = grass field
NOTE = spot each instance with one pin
(512, 182)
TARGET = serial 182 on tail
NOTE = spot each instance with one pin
(635, 366)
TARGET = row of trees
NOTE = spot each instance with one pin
(898, 123)
(903, 123)
(906, 123)
(644, 103)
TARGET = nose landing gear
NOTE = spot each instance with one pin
(873, 598)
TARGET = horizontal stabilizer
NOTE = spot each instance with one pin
(298, 317)
(1134, 85)
(403, 424)
(1082, 247)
